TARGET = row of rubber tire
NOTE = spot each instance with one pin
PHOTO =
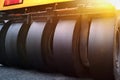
(73, 45)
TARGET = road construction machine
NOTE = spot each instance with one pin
(74, 37)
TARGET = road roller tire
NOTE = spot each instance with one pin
(9, 40)
(1, 26)
(84, 35)
(11, 44)
(47, 43)
(66, 42)
(101, 48)
(33, 45)
(22, 45)
(3, 32)
(116, 55)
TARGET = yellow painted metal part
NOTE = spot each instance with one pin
(28, 3)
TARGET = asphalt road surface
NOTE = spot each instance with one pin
(20, 74)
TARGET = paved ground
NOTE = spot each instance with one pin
(18, 74)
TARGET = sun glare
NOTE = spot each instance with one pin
(115, 3)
